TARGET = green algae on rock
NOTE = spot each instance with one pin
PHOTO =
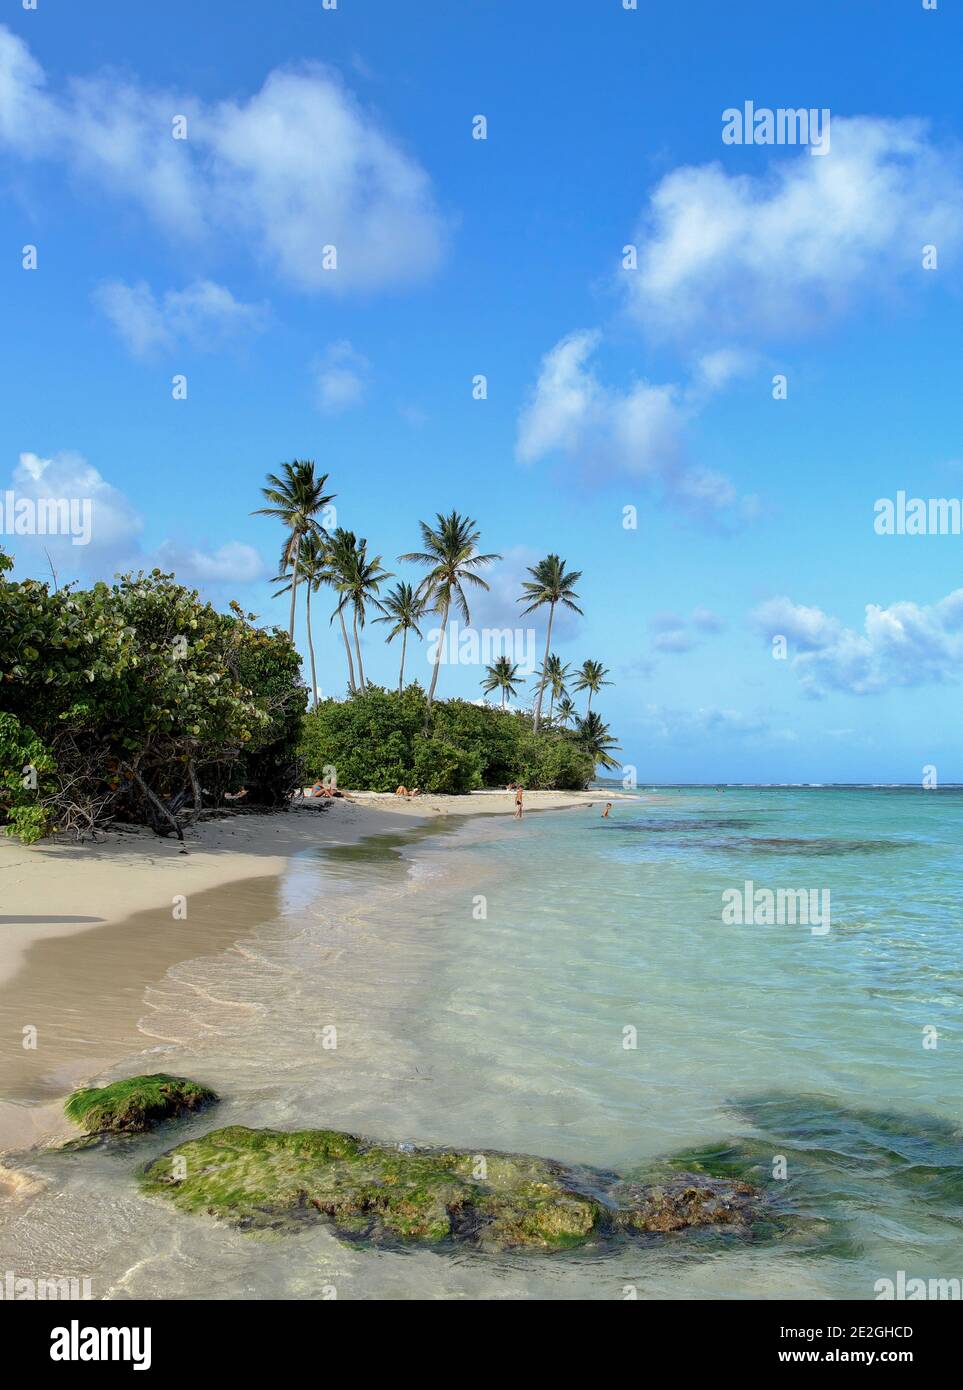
(136, 1104)
(259, 1179)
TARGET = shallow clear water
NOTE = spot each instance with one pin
(485, 983)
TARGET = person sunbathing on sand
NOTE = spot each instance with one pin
(401, 791)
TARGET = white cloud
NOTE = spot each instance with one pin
(115, 531)
(233, 563)
(905, 644)
(295, 167)
(783, 250)
(204, 315)
(340, 378)
(639, 431)
(114, 523)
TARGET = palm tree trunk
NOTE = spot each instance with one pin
(314, 674)
(588, 707)
(551, 705)
(438, 655)
(347, 647)
(504, 693)
(541, 685)
(404, 643)
(296, 542)
(357, 646)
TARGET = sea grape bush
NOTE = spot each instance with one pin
(383, 739)
(132, 700)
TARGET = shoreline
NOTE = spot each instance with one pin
(123, 894)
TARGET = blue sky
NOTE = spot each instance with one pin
(607, 388)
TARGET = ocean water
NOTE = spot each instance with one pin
(568, 986)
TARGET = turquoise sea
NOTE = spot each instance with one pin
(567, 986)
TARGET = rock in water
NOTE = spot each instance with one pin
(136, 1104)
(686, 1201)
(369, 1191)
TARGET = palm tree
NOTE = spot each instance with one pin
(312, 561)
(591, 678)
(359, 586)
(552, 585)
(503, 676)
(339, 562)
(451, 556)
(566, 711)
(296, 497)
(596, 738)
(405, 609)
(555, 676)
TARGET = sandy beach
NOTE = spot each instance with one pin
(87, 926)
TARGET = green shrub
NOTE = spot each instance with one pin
(129, 697)
(378, 741)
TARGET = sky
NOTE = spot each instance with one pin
(738, 347)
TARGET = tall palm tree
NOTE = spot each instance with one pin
(296, 498)
(340, 554)
(591, 678)
(566, 711)
(451, 556)
(596, 738)
(551, 584)
(405, 609)
(359, 585)
(312, 562)
(503, 676)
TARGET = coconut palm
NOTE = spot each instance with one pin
(358, 585)
(596, 738)
(405, 609)
(340, 553)
(551, 584)
(296, 498)
(451, 556)
(503, 676)
(312, 562)
(591, 677)
(566, 711)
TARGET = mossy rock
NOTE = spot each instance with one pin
(136, 1104)
(258, 1179)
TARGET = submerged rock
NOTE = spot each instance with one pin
(691, 1199)
(135, 1104)
(365, 1190)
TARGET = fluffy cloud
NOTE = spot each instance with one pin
(785, 249)
(905, 644)
(295, 167)
(113, 523)
(638, 431)
(233, 563)
(340, 378)
(112, 541)
(204, 315)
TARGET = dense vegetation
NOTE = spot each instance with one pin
(379, 741)
(136, 701)
(133, 700)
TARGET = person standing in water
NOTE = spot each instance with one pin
(518, 802)
(605, 813)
